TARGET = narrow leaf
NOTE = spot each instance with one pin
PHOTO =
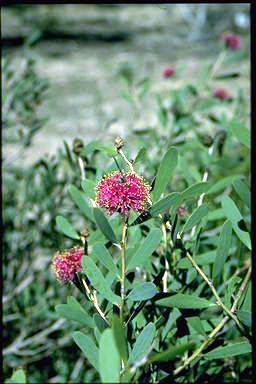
(173, 199)
(79, 200)
(233, 214)
(103, 255)
(76, 313)
(171, 353)
(195, 190)
(181, 300)
(241, 132)
(140, 156)
(109, 358)
(18, 377)
(89, 188)
(243, 192)
(143, 292)
(120, 339)
(222, 184)
(87, 345)
(165, 172)
(65, 227)
(143, 343)
(229, 350)
(104, 226)
(145, 249)
(245, 317)
(97, 280)
(247, 304)
(224, 244)
(195, 218)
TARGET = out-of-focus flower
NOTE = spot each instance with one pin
(121, 192)
(222, 94)
(169, 72)
(231, 40)
(66, 263)
(181, 211)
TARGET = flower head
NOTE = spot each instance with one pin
(120, 192)
(169, 72)
(231, 41)
(65, 264)
(222, 94)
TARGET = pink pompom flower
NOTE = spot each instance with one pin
(231, 41)
(169, 72)
(121, 192)
(66, 263)
(222, 94)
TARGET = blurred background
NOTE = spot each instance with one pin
(73, 71)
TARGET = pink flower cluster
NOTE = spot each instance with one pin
(169, 72)
(118, 192)
(222, 94)
(65, 264)
(231, 41)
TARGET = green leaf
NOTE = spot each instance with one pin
(18, 377)
(145, 249)
(109, 358)
(241, 132)
(195, 190)
(87, 345)
(169, 200)
(143, 292)
(227, 76)
(143, 344)
(79, 200)
(245, 317)
(65, 227)
(181, 300)
(204, 258)
(224, 244)
(89, 188)
(165, 172)
(140, 156)
(197, 325)
(69, 156)
(243, 192)
(217, 214)
(229, 350)
(195, 218)
(247, 304)
(97, 280)
(120, 339)
(233, 214)
(74, 311)
(222, 184)
(103, 255)
(100, 323)
(104, 226)
(171, 353)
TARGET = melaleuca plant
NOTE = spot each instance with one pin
(165, 292)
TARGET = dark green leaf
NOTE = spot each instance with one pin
(109, 358)
(103, 255)
(222, 184)
(97, 280)
(229, 350)
(171, 199)
(171, 353)
(247, 304)
(79, 200)
(100, 323)
(104, 225)
(120, 339)
(145, 249)
(227, 76)
(89, 188)
(87, 345)
(241, 132)
(245, 317)
(165, 172)
(65, 227)
(195, 218)
(197, 325)
(181, 300)
(143, 292)
(224, 244)
(233, 214)
(195, 190)
(143, 344)
(74, 311)
(243, 192)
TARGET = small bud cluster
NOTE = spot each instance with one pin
(65, 264)
(231, 41)
(121, 192)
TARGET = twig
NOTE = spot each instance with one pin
(219, 327)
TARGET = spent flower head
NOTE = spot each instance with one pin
(121, 192)
(66, 263)
(231, 40)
